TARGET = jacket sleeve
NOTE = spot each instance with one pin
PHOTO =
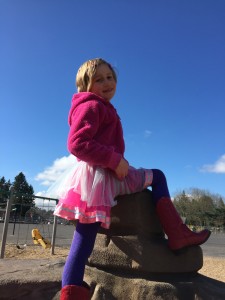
(82, 142)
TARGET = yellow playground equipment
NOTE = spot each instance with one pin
(38, 239)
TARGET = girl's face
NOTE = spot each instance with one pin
(103, 83)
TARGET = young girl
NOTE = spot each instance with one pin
(101, 173)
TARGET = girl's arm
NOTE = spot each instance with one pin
(85, 122)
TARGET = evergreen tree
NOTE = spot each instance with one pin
(4, 190)
(23, 199)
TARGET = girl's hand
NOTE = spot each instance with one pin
(122, 169)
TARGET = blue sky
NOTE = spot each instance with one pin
(170, 60)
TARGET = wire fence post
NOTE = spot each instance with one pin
(53, 235)
(6, 222)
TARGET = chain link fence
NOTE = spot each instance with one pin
(24, 222)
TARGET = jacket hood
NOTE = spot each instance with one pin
(83, 97)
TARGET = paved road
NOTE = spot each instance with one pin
(215, 246)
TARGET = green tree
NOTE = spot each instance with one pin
(200, 207)
(219, 218)
(206, 206)
(23, 191)
(194, 216)
(219, 203)
(182, 203)
(4, 190)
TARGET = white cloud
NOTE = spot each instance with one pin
(147, 133)
(52, 173)
(217, 167)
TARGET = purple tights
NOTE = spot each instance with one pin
(85, 234)
(81, 248)
(159, 185)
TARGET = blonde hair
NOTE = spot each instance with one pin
(87, 71)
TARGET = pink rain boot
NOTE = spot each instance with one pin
(74, 292)
(179, 235)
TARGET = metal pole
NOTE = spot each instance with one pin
(6, 223)
(14, 226)
(53, 235)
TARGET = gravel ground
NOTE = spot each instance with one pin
(214, 268)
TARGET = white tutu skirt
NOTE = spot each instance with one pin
(88, 192)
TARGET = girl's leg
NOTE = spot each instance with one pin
(179, 235)
(159, 185)
(81, 248)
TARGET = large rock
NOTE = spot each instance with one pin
(134, 215)
(30, 279)
(143, 257)
(136, 242)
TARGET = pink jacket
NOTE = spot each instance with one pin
(96, 134)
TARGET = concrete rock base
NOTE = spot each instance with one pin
(123, 287)
(30, 279)
(141, 256)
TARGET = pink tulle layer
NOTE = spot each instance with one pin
(80, 211)
(90, 192)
